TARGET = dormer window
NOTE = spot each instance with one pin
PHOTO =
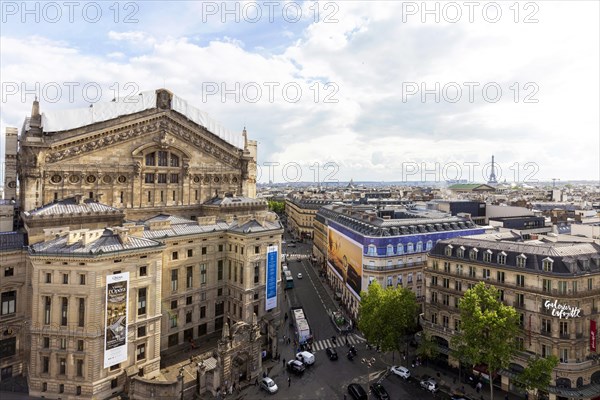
(390, 250)
(419, 246)
(410, 248)
(460, 252)
(473, 254)
(521, 260)
(429, 245)
(400, 248)
(372, 250)
(547, 264)
(448, 250)
(487, 256)
(502, 258)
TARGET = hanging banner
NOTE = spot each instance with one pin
(593, 337)
(115, 338)
(271, 279)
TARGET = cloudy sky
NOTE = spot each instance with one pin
(377, 91)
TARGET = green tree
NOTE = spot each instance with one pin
(488, 330)
(538, 373)
(276, 206)
(428, 348)
(385, 316)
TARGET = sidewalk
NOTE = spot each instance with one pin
(447, 379)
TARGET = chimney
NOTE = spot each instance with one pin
(78, 198)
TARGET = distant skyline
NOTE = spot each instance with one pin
(379, 87)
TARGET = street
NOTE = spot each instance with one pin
(327, 379)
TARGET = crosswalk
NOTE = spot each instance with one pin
(341, 342)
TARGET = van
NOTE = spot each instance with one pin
(306, 357)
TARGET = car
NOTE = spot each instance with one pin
(379, 391)
(269, 385)
(299, 275)
(296, 367)
(402, 372)
(357, 392)
(430, 385)
(331, 353)
(306, 357)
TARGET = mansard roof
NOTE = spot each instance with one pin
(72, 206)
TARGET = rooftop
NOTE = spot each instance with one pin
(70, 206)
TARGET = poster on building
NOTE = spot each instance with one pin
(115, 339)
(345, 256)
(271, 279)
(593, 337)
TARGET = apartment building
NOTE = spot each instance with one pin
(367, 243)
(555, 287)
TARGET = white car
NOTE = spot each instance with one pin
(430, 385)
(299, 275)
(269, 385)
(306, 358)
(402, 372)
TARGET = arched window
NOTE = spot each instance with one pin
(429, 245)
(400, 248)
(174, 160)
(151, 159)
(410, 248)
(419, 246)
(372, 251)
(390, 250)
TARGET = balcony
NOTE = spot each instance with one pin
(518, 304)
(545, 333)
(392, 267)
(565, 335)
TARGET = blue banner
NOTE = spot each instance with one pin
(271, 280)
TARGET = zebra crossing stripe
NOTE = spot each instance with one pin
(325, 343)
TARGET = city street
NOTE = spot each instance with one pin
(326, 379)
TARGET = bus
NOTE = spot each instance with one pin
(301, 327)
(289, 280)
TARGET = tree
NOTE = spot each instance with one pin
(428, 348)
(385, 316)
(538, 373)
(488, 330)
(276, 206)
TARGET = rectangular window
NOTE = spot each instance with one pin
(62, 366)
(173, 199)
(82, 279)
(45, 365)
(63, 343)
(175, 256)
(174, 178)
(8, 347)
(486, 273)
(173, 304)
(546, 285)
(190, 253)
(47, 307)
(141, 331)
(162, 178)
(149, 178)
(189, 277)
(256, 249)
(546, 326)
(472, 272)
(202, 312)
(79, 345)
(590, 283)
(141, 301)
(562, 287)
(204, 250)
(9, 302)
(65, 279)
(48, 277)
(219, 309)
(446, 283)
(500, 276)
(81, 313)
(79, 368)
(64, 312)
(174, 321)
(143, 271)
(163, 157)
(202, 330)
(458, 286)
(256, 273)
(203, 274)
(141, 352)
(521, 280)
(220, 270)
(174, 280)
(520, 300)
(241, 273)
(574, 286)
(188, 317)
(149, 196)
(46, 342)
(188, 301)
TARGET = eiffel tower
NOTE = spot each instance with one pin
(492, 180)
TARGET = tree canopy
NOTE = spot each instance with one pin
(538, 373)
(488, 330)
(385, 316)
(276, 206)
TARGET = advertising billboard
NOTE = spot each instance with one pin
(345, 256)
(115, 338)
(271, 279)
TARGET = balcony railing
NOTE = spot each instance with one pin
(545, 333)
(367, 267)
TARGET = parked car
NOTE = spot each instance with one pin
(295, 367)
(430, 385)
(269, 385)
(306, 357)
(331, 353)
(299, 275)
(402, 372)
(379, 391)
(357, 392)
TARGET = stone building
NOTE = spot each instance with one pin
(150, 186)
(366, 243)
(538, 278)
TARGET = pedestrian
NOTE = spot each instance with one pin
(256, 381)
(284, 361)
(289, 381)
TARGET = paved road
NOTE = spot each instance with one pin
(328, 379)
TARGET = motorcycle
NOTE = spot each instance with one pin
(350, 356)
(353, 350)
(334, 339)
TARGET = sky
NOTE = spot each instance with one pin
(335, 90)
